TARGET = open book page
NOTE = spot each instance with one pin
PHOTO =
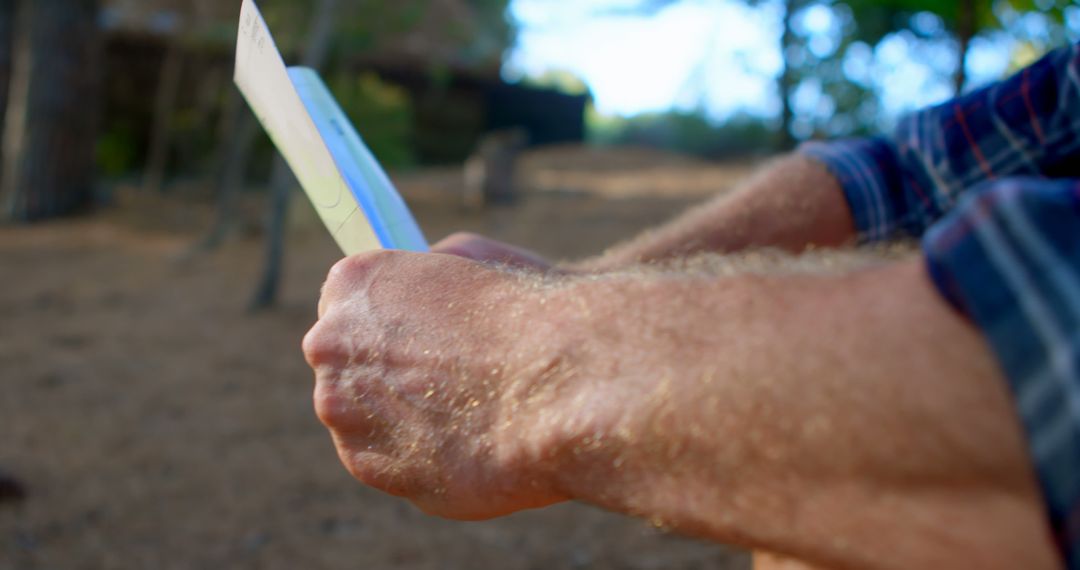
(348, 212)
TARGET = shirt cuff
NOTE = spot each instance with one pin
(868, 171)
(1007, 258)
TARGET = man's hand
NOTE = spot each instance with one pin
(420, 360)
(829, 418)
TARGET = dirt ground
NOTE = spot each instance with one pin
(158, 425)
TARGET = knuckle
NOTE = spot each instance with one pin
(346, 270)
(353, 272)
(331, 408)
(320, 347)
(355, 267)
(378, 471)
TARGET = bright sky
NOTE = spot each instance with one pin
(716, 53)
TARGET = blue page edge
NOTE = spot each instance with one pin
(308, 83)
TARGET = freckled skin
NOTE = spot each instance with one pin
(846, 418)
(414, 408)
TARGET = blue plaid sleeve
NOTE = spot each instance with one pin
(1027, 125)
(1009, 256)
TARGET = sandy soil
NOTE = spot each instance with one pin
(156, 424)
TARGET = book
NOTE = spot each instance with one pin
(345, 183)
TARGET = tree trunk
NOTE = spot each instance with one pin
(282, 181)
(168, 89)
(237, 132)
(52, 115)
(966, 27)
(7, 45)
(786, 83)
(269, 286)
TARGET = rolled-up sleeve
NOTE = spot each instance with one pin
(869, 173)
(900, 185)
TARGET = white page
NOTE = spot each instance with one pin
(264, 81)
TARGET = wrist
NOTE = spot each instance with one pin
(539, 383)
(593, 393)
(551, 404)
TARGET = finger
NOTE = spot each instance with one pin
(351, 274)
(482, 249)
(372, 467)
(463, 244)
(350, 415)
(322, 347)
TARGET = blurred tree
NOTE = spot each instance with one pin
(810, 66)
(435, 33)
(792, 52)
(558, 79)
(52, 111)
(190, 27)
(688, 133)
(385, 113)
(964, 20)
(165, 100)
(844, 106)
(237, 133)
(492, 32)
(1053, 28)
(787, 81)
(7, 43)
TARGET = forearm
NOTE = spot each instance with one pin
(792, 204)
(853, 420)
(829, 421)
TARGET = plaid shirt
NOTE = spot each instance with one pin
(991, 182)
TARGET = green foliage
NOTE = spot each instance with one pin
(823, 99)
(879, 18)
(685, 132)
(495, 32)
(383, 115)
(852, 106)
(476, 35)
(289, 20)
(845, 107)
(117, 151)
(560, 80)
(1053, 14)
